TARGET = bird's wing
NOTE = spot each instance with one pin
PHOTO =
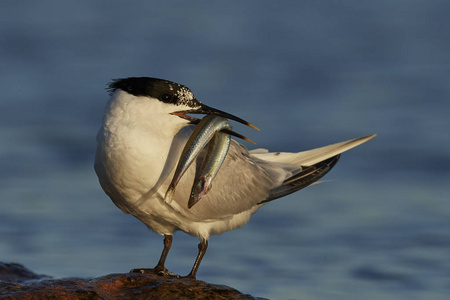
(309, 175)
(247, 179)
(310, 157)
(240, 184)
(315, 164)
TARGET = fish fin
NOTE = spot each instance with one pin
(168, 198)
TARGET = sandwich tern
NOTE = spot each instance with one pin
(145, 128)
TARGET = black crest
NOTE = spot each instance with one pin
(163, 90)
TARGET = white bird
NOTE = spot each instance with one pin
(144, 130)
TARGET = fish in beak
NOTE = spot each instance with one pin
(207, 128)
(215, 156)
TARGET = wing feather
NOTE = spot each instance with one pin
(251, 178)
(311, 157)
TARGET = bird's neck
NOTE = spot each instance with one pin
(127, 112)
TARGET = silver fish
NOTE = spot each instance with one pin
(217, 151)
(201, 135)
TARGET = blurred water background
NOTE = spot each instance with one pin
(308, 73)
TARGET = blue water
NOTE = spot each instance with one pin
(308, 73)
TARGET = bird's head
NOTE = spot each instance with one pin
(168, 98)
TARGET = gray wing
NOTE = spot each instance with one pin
(306, 177)
(251, 178)
(241, 183)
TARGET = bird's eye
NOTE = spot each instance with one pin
(166, 97)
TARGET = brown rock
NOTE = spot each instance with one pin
(17, 282)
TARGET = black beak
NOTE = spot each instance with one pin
(206, 110)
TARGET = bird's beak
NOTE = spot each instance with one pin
(207, 110)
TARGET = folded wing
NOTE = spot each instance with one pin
(251, 178)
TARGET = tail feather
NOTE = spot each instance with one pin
(310, 157)
(306, 177)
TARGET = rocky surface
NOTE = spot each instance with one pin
(17, 282)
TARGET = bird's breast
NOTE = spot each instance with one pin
(133, 160)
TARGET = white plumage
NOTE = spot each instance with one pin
(140, 143)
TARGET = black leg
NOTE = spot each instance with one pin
(167, 244)
(202, 246)
(160, 268)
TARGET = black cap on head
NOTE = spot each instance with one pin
(163, 90)
(171, 93)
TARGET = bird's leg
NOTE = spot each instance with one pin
(167, 244)
(160, 268)
(202, 246)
